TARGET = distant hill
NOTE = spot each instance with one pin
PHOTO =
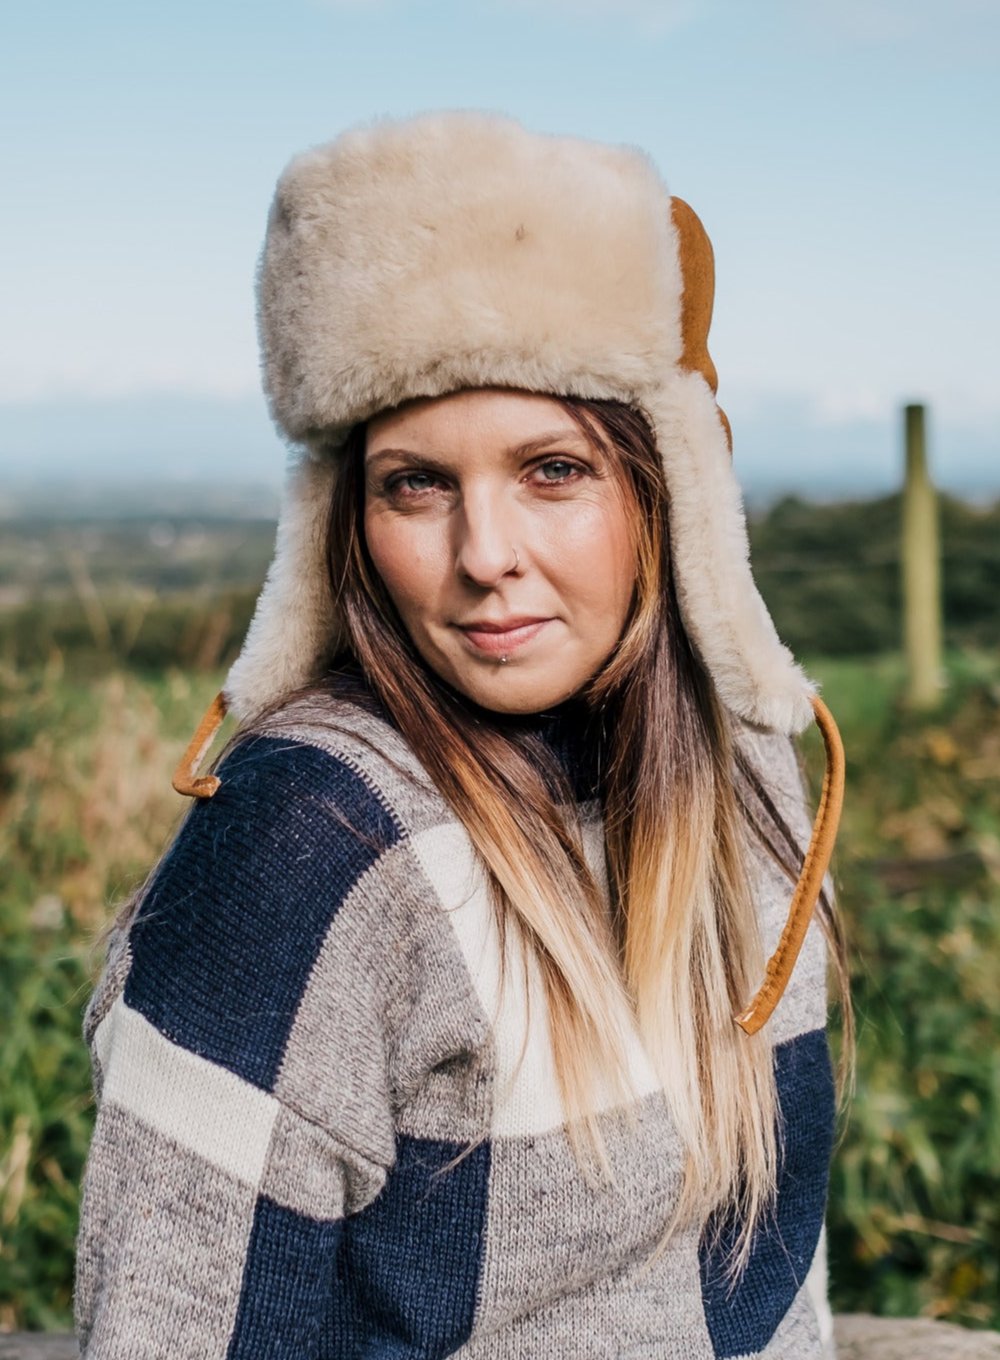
(69, 499)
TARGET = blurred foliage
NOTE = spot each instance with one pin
(914, 1210)
(831, 575)
(144, 592)
(117, 554)
(85, 807)
(143, 632)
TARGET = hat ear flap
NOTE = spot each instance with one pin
(294, 627)
(754, 672)
(697, 263)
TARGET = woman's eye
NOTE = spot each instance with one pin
(409, 483)
(557, 470)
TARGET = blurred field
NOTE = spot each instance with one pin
(914, 1215)
(86, 805)
(90, 731)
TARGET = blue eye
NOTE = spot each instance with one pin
(409, 483)
(562, 469)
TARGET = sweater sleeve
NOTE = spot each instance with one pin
(239, 1065)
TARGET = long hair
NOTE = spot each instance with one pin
(676, 950)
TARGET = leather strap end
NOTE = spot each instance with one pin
(186, 780)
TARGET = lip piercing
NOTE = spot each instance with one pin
(504, 660)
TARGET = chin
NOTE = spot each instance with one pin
(512, 706)
(512, 694)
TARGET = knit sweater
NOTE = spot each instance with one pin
(298, 1032)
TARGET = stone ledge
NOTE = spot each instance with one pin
(859, 1337)
(37, 1346)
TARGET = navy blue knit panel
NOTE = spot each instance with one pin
(230, 929)
(410, 1263)
(286, 1283)
(745, 1321)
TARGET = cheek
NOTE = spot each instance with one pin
(594, 557)
(405, 560)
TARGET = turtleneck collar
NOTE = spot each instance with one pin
(570, 732)
(573, 735)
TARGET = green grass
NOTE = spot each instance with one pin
(914, 1205)
(85, 805)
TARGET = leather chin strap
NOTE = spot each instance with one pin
(187, 781)
(814, 866)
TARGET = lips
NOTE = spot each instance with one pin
(502, 637)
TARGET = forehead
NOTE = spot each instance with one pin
(491, 417)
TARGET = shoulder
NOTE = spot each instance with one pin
(775, 759)
(287, 814)
(299, 855)
(348, 749)
(321, 781)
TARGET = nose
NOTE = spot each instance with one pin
(485, 550)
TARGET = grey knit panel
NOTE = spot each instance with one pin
(565, 1270)
(798, 1335)
(314, 1173)
(163, 1238)
(622, 1316)
(412, 1032)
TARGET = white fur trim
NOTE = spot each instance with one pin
(460, 250)
(293, 627)
(754, 672)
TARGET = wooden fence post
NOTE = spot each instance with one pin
(921, 568)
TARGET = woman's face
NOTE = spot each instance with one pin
(499, 530)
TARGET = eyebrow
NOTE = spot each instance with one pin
(524, 450)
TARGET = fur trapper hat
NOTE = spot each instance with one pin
(451, 250)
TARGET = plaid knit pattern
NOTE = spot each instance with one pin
(301, 1028)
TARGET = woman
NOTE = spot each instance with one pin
(430, 1035)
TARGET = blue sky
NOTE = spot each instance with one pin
(842, 154)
